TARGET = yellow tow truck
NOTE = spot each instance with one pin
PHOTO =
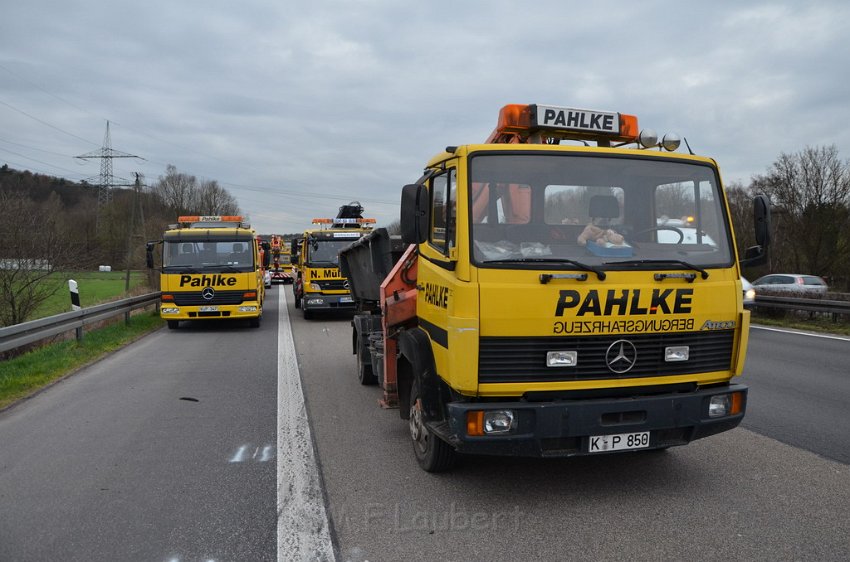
(569, 287)
(319, 285)
(212, 268)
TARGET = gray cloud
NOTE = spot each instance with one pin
(296, 109)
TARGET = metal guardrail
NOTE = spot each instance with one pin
(12, 337)
(825, 306)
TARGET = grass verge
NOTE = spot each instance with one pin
(821, 324)
(24, 375)
(95, 287)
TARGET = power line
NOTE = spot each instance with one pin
(16, 75)
(39, 161)
(45, 123)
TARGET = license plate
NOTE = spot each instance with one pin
(346, 299)
(208, 309)
(618, 442)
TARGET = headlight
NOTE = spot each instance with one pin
(247, 309)
(726, 405)
(719, 406)
(169, 310)
(498, 421)
(315, 287)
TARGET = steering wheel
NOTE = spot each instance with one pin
(656, 228)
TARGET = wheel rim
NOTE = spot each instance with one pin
(418, 431)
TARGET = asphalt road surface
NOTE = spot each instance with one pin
(163, 451)
(168, 451)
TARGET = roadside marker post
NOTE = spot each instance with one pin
(75, 305)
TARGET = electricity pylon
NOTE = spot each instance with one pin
(106, 181)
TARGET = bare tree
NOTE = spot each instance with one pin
(811, 190)
(177, 190)
(183, 194)
(32, 244)
(213, 199)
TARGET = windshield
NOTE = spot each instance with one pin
(598, 211)
(325, 252)
(208, 255)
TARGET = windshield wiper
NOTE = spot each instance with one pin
(577, 264)
(183, 268)
(232, 269)
(703, 273)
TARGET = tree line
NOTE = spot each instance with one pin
(50, 225)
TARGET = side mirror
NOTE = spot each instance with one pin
(757, 255)
(149, 254)
(761, 220)
(267, 254)
(415, 215)
(754, 255)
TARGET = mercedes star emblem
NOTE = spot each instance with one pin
(208, 293)
(621, 356)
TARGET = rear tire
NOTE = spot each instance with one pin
(432, 453)
(173, 324)
(297, 299)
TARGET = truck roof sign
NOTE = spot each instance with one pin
(577, 119)
(522, 123)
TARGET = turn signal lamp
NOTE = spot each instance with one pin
(475, 423)
(249, 295)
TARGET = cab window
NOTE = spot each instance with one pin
(441, 234)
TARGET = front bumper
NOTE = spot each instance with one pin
(318, 301)
(249, 309)
(563, 428)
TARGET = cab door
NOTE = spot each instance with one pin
(437, 281)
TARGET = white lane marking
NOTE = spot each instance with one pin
(268, 453)
(239, 456)
(303, 529)
(800, 333)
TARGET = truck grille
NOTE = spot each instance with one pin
(196, 299)
(333, 285)
(509, 359)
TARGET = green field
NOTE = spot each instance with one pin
(95, 287)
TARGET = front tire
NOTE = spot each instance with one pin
(173, 324)
(432, 453)
(365, 374)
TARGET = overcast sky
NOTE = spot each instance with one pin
(299, 107)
